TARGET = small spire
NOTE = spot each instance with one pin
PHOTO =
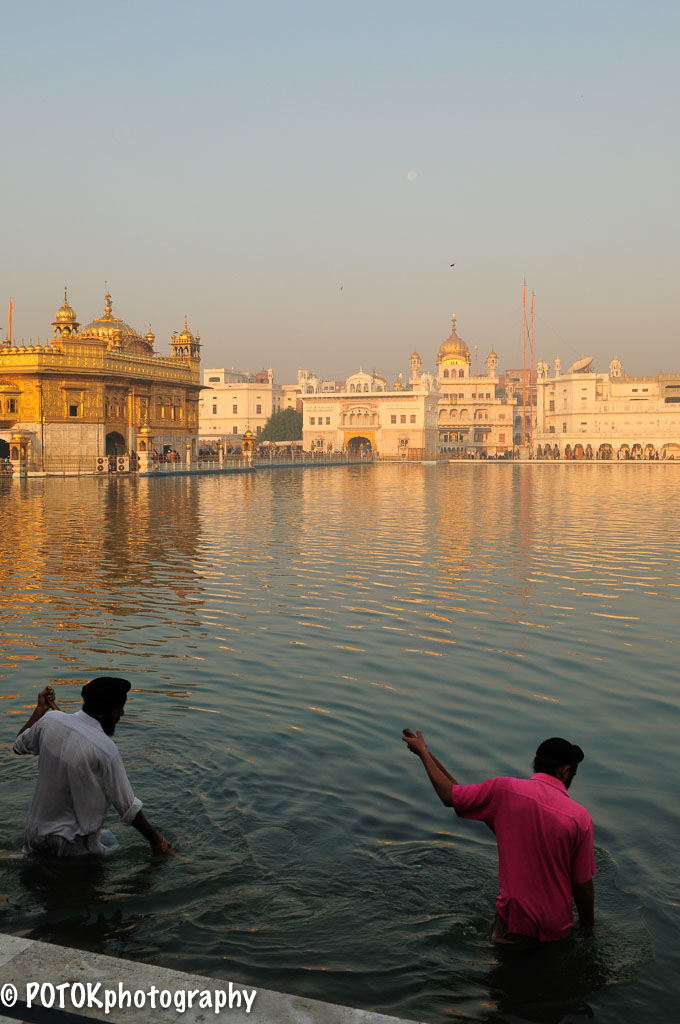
(108, 307)
(65, 295)
(186, 325)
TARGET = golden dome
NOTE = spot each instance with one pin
(110, 328)
(65, 314)
(186, 334)
(150, 336)
(453, 350)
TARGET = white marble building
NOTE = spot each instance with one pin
(233, 401)
(366, 415)
(584, 414)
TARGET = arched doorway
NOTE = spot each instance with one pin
(359, 445)
(115, 444)
(4, 449)
(605, 452)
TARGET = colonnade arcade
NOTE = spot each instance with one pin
(607, 452)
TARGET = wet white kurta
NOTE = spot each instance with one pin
(80, 775)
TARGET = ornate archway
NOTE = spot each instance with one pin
(671, 451)
(358, 444)
(115, 444)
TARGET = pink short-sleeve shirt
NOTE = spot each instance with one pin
(545, 843)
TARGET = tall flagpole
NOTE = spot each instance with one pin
(531, 377)
(10, 319)
(524, 373)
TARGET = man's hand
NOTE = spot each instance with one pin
(161, 847)
(416, 744)
(45, 703)
(441, 779)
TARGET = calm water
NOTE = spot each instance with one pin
(280, 630)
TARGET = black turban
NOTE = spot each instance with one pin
(560, 752)
(105, 693)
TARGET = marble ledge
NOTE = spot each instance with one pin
(23, 961)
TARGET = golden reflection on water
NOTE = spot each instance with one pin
(108, 572)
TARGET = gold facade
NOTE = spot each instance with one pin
(89, 392)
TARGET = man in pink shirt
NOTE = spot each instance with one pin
(545, 840)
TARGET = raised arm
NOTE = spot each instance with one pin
(439, 777)
(45, 704)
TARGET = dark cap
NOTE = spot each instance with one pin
(105, 693)
(560, 752)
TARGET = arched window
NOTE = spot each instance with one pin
(446, 374)
(461, 373)
(366, 388)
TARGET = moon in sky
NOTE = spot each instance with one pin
(412, 175)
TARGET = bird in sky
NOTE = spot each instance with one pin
(452, 264)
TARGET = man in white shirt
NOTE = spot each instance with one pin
(80, 773)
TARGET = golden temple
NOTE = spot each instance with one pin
(98, 391)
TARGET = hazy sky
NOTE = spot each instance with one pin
(298, 176)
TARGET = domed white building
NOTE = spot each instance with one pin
(475, 416)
